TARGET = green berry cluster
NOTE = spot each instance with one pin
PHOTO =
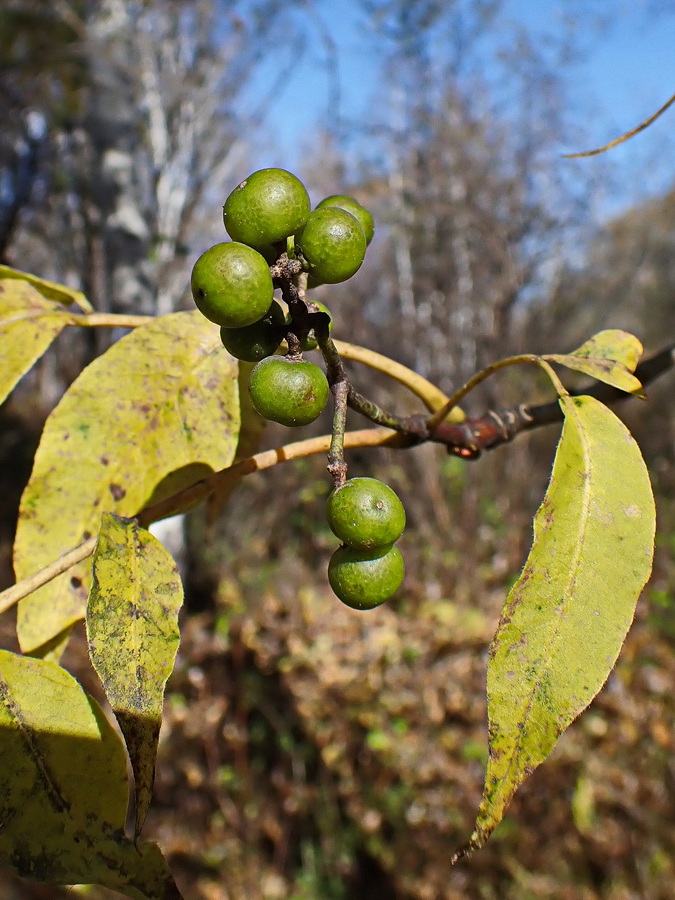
(269, 218)
(369, 518)
(277, 239)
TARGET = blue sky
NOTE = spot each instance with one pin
(627, 73)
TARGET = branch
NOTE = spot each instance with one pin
(496, 427)
(195, 493)
(623, 137)
(466, 439)
(25, 587)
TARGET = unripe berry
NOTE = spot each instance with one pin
(365, 514)
(231, 285)
(333, 245)
(254, 342)
(291, 392)
(266, 207)
(350, 205)
(364, 580)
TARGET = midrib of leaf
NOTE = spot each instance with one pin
(49, 784)
(571, 581)
(136, 550)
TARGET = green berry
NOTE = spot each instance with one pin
(350, 205)
(291, 392)
(265, 208)
(309, 341)
(231, 285)
(365, 514)
(254, 342)
(333, 244)
(364, 580)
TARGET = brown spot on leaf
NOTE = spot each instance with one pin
(117, 491)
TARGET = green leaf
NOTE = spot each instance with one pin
(565, 620)
(163, 398)
(609, 356)
(28, 325)
(63, 787)
(50, 290)
(132, 629)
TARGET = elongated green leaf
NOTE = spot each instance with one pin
(50, 290)
(28, 325)
(566, 618)
(132, 628)
(165, 397)
(63, 787)
(609, 356)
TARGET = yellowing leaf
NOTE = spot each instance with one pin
(132, 628)
(163, 398)
(50, 290)
(565, 620)
(28, 325)
(63, 787)
(613, 344)
(609, 356)
(250, 432)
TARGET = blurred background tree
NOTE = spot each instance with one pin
(310, 752)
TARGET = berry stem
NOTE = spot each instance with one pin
(337, 466)
(283, 274)
(432, 396)
(375, 413)
(527, 358)
(340, 389)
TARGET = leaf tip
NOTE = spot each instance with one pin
(467, 850)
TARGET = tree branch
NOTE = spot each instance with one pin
(466, 439)
(495, 427)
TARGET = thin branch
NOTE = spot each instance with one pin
(623, 137)
(497, 427)
(466, 439)
(195, 493)
(27, 585)
(109, 320)
(432, 396)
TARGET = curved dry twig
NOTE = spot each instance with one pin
(623, 137)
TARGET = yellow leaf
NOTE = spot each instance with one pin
(50, 290)
(28, 325)
(250, 432)
(132, 628)
(566, 618)
(609, 356)
(63, 787)
(163, 398)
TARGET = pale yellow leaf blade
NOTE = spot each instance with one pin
(132, 629)
(609, 356)
(28, 325)
(163, 398)
(566, 618)
(63, 787)
(50, 290)
(250, 433)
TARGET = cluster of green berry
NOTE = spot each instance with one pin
(369, 518)
(269, 218)
(276, 240)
